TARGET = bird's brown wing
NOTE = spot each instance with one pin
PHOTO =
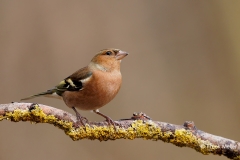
(74, 82)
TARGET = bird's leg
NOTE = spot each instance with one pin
(79, 117)
(108, 119)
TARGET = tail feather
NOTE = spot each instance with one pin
(47, 93)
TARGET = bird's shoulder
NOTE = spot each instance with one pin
(81, 74)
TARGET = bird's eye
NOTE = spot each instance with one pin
(108, 53)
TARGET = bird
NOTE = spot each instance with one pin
(91, 87)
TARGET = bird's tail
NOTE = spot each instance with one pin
(48, 93)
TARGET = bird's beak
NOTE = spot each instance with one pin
(121, 54)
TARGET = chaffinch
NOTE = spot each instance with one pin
(91, 87)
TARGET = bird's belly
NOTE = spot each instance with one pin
(93, 96)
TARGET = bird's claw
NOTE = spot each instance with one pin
(111, 122)
(82, 120)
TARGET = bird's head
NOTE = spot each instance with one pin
(109, 59)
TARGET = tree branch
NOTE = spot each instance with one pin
(138, 126)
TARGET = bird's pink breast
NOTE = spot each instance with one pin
(101, 88)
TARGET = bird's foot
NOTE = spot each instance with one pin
(81, 119)
(108, 119)
(111, 122)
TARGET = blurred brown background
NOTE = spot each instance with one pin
(183, 65)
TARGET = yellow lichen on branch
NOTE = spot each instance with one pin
(186, 135)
